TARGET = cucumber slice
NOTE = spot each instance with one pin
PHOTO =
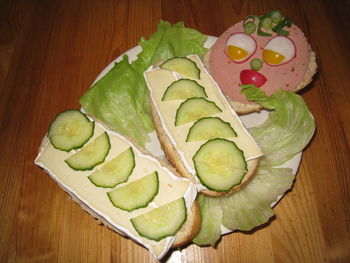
(90, 155)
(182, 65)
(220, 164)
(184, 89)
(193, 109)
(209, 128)
(161, 222)
(115, 171)
(71, 129)
(137, 194)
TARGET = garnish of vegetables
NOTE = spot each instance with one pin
(286, 22)
(271, 21)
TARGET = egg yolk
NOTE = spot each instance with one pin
(236, 53)
(272, 57)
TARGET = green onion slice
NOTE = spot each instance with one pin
(249, 24)
(279, 27)
(271, 21)
(262, 33)
(276, 16)
(282, 32)
(267, 23)
(256, 64)
(249, 27)
(262, 17)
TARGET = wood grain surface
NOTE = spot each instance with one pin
(50, 53)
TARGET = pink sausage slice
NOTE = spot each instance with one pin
(286, 76)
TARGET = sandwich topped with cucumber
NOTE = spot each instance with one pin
(199, 131)
(119, 184)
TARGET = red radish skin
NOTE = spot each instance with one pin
(249, 76)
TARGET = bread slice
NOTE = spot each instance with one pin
(172, 153)
(242, 108)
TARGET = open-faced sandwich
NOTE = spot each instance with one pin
(199, 131)
(122, 186)
(268, 51)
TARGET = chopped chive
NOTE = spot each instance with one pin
(271, 21)
(282, 32)
(279, 27)
(261, 18)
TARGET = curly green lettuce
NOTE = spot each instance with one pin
(120, 98)
(288, 129)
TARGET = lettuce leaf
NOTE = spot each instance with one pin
(288, 130)
(251, 206)
(212, 213)
(120, 98)
(167, 42)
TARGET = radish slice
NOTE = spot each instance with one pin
(240, 47)
(279, 50)
(249, 76)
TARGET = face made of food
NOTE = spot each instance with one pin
(285, 61)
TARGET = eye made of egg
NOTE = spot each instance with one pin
(279, 50)
(240, 47)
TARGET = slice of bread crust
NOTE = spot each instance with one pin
(242, 108)
(175, 159)
(190, 228)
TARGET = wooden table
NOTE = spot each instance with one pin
(50, 53)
